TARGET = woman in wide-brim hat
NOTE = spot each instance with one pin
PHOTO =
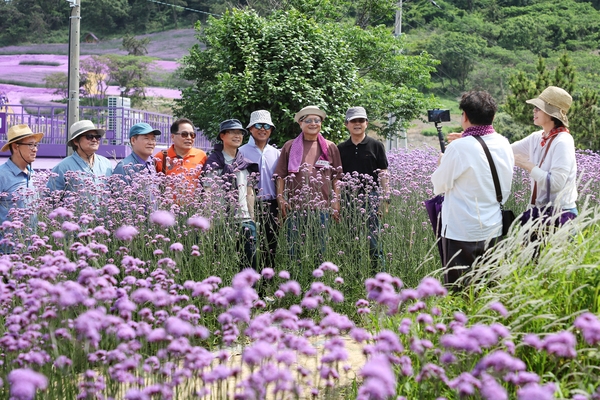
(548, 155)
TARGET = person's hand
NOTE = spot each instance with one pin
(284, 207)
(453, 136)
(522, 161)
(336, 212)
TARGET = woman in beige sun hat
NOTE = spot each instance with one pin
(548, 155)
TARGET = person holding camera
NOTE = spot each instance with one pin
(471, 217)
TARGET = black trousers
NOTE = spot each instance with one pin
(459, 256)
(268, 213)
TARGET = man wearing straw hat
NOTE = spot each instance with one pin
(84, 139)
(259, 151)
(15, 174)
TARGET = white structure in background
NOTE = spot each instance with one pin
(118, 115)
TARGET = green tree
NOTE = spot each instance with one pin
(58, 81)
(286, 61)
(130, 72)
(584, 116)
(280, 63)
(135, 47)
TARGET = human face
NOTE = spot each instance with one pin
(89, 142)
(311, 125)
(542, 119)
(143, 145)
(184, 144)
(262, 135)
(232, 138)
(27, 150)
(357, 126)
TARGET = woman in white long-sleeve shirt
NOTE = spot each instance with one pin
(549, 155)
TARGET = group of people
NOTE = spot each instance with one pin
(299, 184)
(276, 183)
(471, 213)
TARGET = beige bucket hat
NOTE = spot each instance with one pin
(555, 102)
(19, 132)
(309, 110)
(81, 127)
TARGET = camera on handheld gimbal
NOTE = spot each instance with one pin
(438, 116)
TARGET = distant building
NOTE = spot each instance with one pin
(90, 38)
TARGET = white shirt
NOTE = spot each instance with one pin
(560, 165)
(267, 161)
(471, 212)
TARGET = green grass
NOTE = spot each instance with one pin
(20, 83)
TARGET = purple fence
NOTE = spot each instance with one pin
(51, 121)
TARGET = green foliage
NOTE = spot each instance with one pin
(135, 47)
(286, 61)
(130, 72)
(33, 62)
(58, 81)
(584, 118)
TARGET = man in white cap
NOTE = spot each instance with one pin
(366, 156)
(306, 177)
(15, 174)
(259, 151)
(84, 139)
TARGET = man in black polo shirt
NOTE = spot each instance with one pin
(366, 157)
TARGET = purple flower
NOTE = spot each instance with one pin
(533, 340)
(379, 379)
(491, 389)
(589, 325)
(431, 287)
(533, 391)
(126, 232)
(199, 222)
(70, 226)
(562, 344)
(176, 247)
(267, 273)
(284, 275)
(162, 218)
(60, 212)
(329, 266)
(178, 327)
(317, 273)
(499, 308)
(499, 360)
(25, 382)
(465, 384)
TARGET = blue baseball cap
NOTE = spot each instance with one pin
(142, 129)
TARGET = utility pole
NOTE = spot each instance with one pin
(74, 35)
(393, 141)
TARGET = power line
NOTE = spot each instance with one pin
(183, 8)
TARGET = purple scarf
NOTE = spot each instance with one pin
(479, 130)
(297, 150)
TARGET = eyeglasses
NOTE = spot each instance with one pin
(358, 120)
(92, 137)
(312, 121)
(266, 127)
(185, 135)
(32, 146)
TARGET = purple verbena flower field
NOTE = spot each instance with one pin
(133, 290)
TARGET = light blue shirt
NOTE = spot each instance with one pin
(267, 161)
(132, 164)
(13, 181)
(101, 167)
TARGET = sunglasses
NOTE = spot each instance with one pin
(358, 120)
(266, 127)
(185, 135)
(92, 137)
(312, 121)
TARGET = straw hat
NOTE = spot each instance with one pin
(19, 132)
(260, 117)
(555, 102)
(309, 110)
(81, 127)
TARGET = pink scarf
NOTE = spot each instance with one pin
(553, 132)
(297, 150)
(479, 130)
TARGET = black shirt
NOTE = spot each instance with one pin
(367, 157)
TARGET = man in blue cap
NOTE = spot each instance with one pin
(142, 138)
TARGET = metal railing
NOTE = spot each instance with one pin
(116, 121)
